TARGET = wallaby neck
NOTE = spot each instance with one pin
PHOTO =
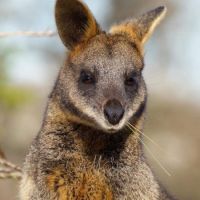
(123, 145)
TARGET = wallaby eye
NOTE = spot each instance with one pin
(87, 77)
(131, 80)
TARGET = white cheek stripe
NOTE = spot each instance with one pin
(98, 117)
(87, 110)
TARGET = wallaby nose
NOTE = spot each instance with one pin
(113, 111)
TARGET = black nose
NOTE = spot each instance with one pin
(113, 111)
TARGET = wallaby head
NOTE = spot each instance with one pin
(101, 83)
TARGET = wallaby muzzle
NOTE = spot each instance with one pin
(113, 111)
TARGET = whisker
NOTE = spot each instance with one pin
(153, 156)
(151, 153)
(150, 139)
(130, 128)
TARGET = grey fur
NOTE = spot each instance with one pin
(77, 153)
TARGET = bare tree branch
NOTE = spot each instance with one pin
(29, 34)
(8, 165)
(10, 175)
(2, 154)
(8, 170)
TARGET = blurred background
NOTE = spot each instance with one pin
(29, 66)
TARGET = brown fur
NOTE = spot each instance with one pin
(78, 154)
(143, 27)
(77, 11)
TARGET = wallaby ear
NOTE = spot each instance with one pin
(75, 22)
(142, 27)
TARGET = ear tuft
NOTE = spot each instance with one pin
(142, 27)
(75, 22)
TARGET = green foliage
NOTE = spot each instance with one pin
(11, 97)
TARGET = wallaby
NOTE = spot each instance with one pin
(84, 150)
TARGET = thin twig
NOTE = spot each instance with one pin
(8, 170)
(10, 175)
(8, 164)
(29, 34)
(2, 154)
